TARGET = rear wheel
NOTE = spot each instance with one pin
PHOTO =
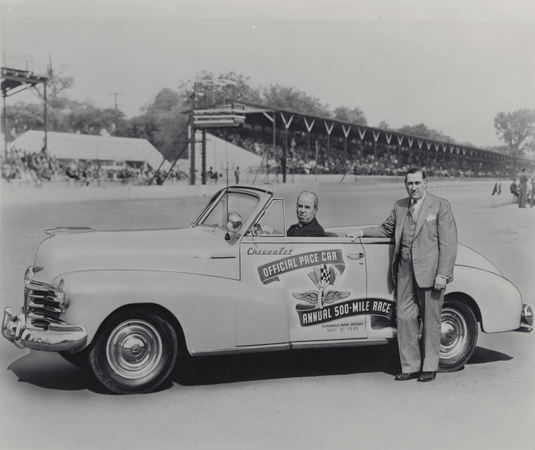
(459, 332)
(135, 352)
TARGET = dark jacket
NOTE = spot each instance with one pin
(312, 228)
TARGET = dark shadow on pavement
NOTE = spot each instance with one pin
(51, 371)
(289, 364)
(484, 355)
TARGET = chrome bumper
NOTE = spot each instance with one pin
(58, 337)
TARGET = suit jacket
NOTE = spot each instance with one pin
(434, 248)
(312, 228)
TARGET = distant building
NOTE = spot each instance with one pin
(219, 153)
(107, 151)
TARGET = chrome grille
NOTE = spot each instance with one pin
(42, 305)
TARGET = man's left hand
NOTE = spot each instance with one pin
(440, 282)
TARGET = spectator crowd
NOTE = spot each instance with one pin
(37, 168)
(331, 157)
(360, 159)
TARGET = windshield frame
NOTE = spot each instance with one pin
(262, 195)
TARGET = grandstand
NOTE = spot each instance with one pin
(302, 143)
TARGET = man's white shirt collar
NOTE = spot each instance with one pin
(418, 203)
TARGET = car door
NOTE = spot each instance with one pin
(319, 283)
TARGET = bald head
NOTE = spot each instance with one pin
(307, 206)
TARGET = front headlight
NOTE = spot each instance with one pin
(63, 294)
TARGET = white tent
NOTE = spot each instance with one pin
(218, 153)
(106, 149)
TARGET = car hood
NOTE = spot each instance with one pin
(468, 257)
(199, 250)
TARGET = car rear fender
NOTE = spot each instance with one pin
(498, 300)
(204, 306)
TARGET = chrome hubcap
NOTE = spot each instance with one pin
(453, 336)
(134, 349)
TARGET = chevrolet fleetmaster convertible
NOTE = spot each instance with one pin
(125, 303)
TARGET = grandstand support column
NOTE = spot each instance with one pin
(192, 153)
(328, 158)
(317, 158)
(274, 141)
(285, 158)
(308, 154)
(192, 137)
(204, 156)
(5, 125)
(46, 123)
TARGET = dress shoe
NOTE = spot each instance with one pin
(427, 376)
(406, 376)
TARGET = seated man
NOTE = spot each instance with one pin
(307, 207)
(515, 190)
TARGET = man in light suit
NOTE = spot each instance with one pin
(422, 265)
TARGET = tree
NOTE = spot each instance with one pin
(211, 89)
(384, 125)
(22, 117)
(63, 115)
(350, 115)
(517, 130)
(165, 101)
(424, 131)
(288, 97)
(162, 123)
(87, 118)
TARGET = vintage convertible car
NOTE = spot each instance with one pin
(125, 303)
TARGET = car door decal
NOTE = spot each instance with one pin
(270, 272)
(322, 276)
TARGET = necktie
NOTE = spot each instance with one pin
(411, 209)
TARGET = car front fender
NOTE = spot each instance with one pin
(204, 306)
(499, 301)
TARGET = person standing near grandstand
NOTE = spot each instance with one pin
(523, 188)
(532, 194)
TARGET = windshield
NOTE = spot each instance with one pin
(243, 204)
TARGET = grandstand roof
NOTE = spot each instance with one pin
(89, 147)
(294, 121)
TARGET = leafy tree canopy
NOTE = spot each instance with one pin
(424, 131)
(517, 130)
(288, 97)
(354, 115)
(212, 89)
(384, 125)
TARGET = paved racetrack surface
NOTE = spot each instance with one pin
(312, 399)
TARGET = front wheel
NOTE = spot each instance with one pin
(459, 332)
(135, 352)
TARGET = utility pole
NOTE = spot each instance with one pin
(115, 94)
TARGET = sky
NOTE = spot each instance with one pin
(452, 65)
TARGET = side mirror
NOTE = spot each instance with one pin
(234, 222)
